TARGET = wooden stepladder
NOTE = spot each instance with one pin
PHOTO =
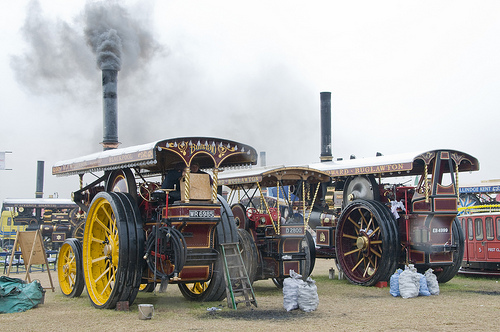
(238, 286)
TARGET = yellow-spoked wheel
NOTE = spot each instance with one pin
(70, 269)
(214, 289)
(106, 251)
(78, 230)
(197, 288)
(147, 288)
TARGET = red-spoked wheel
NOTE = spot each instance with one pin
(366, 242)
(240, 216)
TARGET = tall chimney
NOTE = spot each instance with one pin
(39, 179)
(326, 126)
(110, 113)
(262, 158)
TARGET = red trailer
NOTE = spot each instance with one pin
(479, 215)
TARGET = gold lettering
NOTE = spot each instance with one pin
(145, 154)
(203, 147)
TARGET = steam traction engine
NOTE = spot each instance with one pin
(274, 231)
(384, 224)
(135, 234)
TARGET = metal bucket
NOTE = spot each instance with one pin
(145, 311)
(331, 273)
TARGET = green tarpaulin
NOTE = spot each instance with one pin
(16, 295)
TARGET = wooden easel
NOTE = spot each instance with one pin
(31, 244)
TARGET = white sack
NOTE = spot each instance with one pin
(308, 299)
(291, 291)
(409, 282)
(432, 282)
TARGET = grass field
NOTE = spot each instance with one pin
(464, 304)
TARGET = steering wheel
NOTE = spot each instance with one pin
(252, 213)
(274, 213)
(146, 189)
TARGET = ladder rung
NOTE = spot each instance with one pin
(235, 267)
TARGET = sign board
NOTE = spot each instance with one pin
(33, 252)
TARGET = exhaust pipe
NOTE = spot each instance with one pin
(39, 179)
(39, 186)
(326, 126)
(110, 112)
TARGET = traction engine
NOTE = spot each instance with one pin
(138, 235)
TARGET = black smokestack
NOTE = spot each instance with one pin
(39, 179)
(107, 46)
(110, 109)
(326, 126)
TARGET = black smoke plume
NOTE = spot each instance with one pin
(60, 56)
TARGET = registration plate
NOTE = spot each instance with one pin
(292, 230)
(201, 214)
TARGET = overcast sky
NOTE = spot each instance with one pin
(404, 76)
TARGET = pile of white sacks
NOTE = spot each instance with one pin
(300, 294)
(410, 283)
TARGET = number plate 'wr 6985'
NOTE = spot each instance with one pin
(201, 214)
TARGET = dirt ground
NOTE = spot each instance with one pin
(464, 304)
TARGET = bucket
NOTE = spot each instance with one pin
(145, 311)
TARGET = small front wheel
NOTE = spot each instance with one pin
(70, 268)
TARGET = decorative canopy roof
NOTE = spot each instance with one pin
(270, 175)
(411, 163)
(161, 155)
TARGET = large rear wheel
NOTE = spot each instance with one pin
(147, 288)
(70, 268)
(211, 290)
(366, 242)
(307, 247)
(106, 251)
(248, 251)
(122, 180)
(458, 239)
(311, 246)
(215, 288)
(136, 246)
